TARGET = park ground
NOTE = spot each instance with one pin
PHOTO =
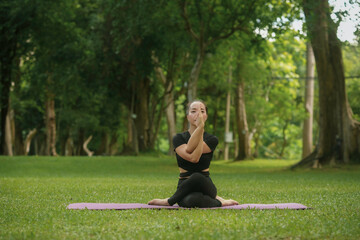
(34, 193)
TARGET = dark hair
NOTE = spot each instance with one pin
(197, 100)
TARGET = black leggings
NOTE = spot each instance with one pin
(195, 191)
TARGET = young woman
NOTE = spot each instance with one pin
(194, 151)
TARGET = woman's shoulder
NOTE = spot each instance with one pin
(208, 135)
(181, 138)
(211, 140)
(184, 135)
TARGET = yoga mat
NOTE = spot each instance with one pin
(125, 206)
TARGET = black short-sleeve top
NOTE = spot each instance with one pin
(205, 159)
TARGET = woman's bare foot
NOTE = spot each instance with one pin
(161, 202)
(228, 202)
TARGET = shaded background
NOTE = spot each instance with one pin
(92, 77)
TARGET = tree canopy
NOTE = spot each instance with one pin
(114, 77)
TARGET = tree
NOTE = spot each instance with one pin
(168, 82)
(211, 21)
(273, 109)
(351, 53)
(309, 102)
(134, 40)
(339, 136)
(169, 59)
(15, 18)
(57, 44)
(244, 148)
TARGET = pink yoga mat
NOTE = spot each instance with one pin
(125, 206)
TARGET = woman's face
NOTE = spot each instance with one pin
(195, 109)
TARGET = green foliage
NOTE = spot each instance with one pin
(95, 53)
(273, 94)
(352, 70)
(36, 190)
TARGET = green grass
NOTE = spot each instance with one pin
(34, 193)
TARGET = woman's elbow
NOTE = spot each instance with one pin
(194, 159)
(188, 150)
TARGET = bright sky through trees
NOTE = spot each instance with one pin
(348, 25)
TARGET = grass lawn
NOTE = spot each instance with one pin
(34, 193)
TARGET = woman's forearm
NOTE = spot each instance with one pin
(196, 154)
(195, 139)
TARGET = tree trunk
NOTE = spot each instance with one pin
(155, 120)
(339, 136)
(194, 76)
(236, 140)
(9, 133)
(244, 150)
(28, 139)
(7, 55)
(19, 143)
(170, 117)
(227, 117)
(80, 141)
(18, 139)
(185, 123)
(50, 125)
(131, 145)
(88, 152)
(171, 120)
(134, 134)
(69, 146)
(309, 101)
(142, 113)
(39, 143)
(101, 150)
(256, 148)
(6, 64)
(169, 100)
(285, 143)
(113, 146)
(215, 115)
(108, 144)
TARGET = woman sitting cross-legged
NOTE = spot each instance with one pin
(194, 151)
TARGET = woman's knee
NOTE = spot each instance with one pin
(192, 200)
(197, 177)
(199, 200)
